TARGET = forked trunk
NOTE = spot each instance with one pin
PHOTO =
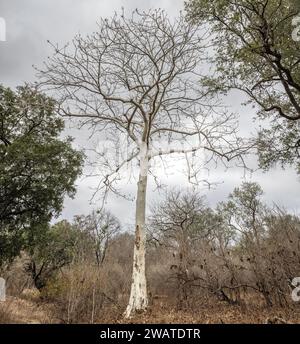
(138, 300)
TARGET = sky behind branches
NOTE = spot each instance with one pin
(31, 23)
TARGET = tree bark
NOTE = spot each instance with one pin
(138, 300)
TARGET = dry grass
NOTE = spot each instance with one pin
(86, 294)
(29, 309)
(219, 313)
(5, 313)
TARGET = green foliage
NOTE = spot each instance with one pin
(245, 212)
(50, 250)
(254, 52)
(37, 168)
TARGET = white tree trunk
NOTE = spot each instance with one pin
(138, 300)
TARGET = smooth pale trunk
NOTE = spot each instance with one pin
(138, 300)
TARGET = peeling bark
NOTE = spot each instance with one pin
(138, 300)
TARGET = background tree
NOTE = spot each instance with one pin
(246, 214)
(181, 223)
(245, 211)
(101, 226)
(37, 168)
(256, 54)
(50, 250)
(135, 81)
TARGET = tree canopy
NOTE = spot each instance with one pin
(37, 168)
(256, 52)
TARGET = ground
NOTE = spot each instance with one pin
(26, 309)
(30, 309)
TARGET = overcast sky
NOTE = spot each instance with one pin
(31, 23)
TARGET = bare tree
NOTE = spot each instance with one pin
(180, 223)
(102, 226)
(136, 81)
